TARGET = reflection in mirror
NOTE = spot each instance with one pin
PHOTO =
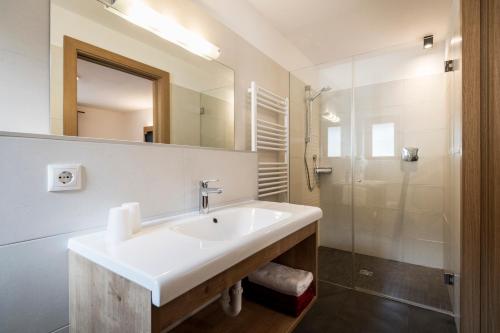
(109, 66)
(113, 104)
(193, 105)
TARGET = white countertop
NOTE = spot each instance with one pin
(170, 264)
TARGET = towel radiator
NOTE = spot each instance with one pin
(270, 134)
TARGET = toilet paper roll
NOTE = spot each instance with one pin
(118, 229)
(134, 215)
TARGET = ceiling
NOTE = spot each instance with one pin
(106, 88)
(330, 30)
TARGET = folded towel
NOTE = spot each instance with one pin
(283, 279)
(290, 305)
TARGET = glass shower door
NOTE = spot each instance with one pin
(398, 206)
(336, 232)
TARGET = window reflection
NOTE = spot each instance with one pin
(383, 140)
(334, 141)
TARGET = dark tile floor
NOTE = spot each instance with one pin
(345, 310)
(414, 283)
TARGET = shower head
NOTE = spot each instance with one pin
(314, 95)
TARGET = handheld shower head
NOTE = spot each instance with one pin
(310, 97)
(313, 96)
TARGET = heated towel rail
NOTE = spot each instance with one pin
(270, 133)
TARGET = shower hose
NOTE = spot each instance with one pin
(310, 186)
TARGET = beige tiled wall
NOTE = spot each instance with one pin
(216, 123)
(336, 196)
(389, 209)
(102, 123)
(185, 116)
(299, 192)
(398, 206)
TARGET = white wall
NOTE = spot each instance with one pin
(24, 66)
(36, 224)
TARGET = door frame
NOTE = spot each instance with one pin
(480, 223)
(75, 49)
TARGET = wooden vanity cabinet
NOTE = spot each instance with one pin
(102, 301)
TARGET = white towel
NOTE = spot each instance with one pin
(283, 279)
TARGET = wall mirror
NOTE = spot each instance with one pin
(112, 79)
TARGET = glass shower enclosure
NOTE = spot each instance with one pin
(385, 129)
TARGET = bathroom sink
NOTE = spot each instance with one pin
(230, 224)
(173, 255)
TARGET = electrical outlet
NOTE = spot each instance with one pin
(64, 177)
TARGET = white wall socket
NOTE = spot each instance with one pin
(64, 177)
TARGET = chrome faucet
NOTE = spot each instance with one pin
(204, 192)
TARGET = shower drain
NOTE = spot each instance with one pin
(365, 272)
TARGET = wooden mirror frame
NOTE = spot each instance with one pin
(75, 49)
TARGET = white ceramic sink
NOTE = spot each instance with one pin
(171, 256)
(230, 224)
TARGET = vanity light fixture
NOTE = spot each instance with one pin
(140, 14)
(428, 41)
